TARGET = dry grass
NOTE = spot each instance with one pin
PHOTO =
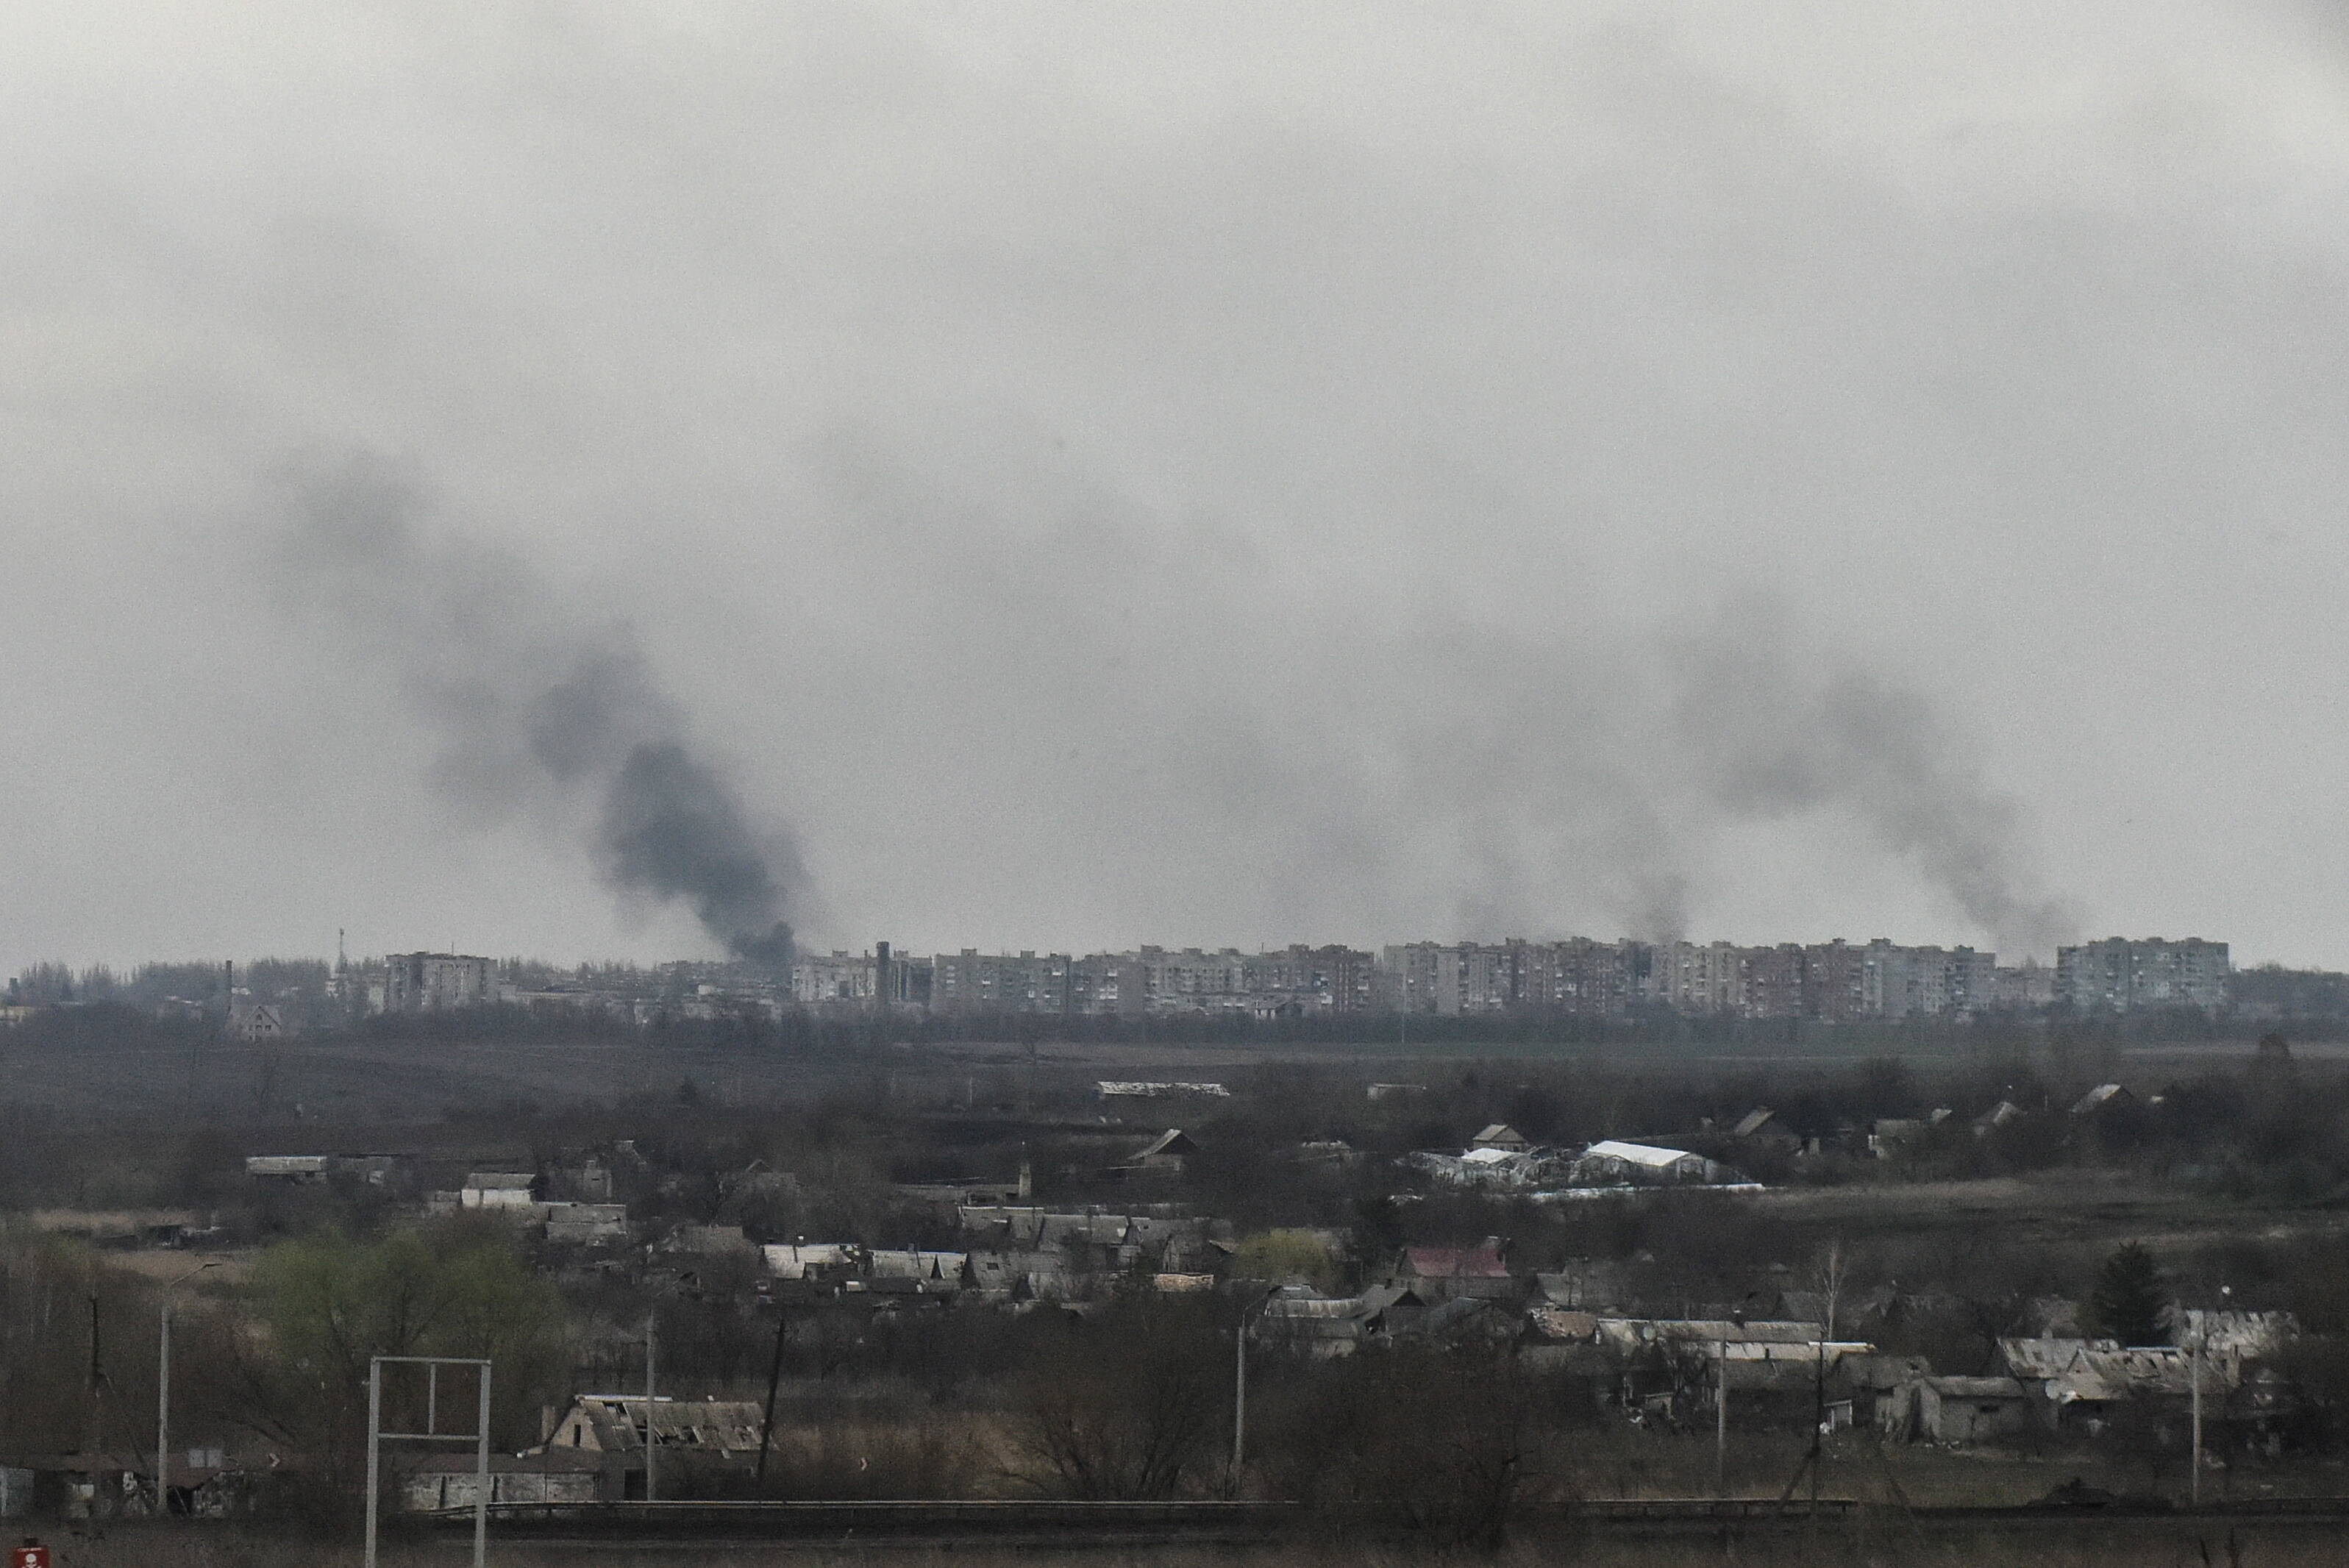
(1876, 1543)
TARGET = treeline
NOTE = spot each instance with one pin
(156, 985)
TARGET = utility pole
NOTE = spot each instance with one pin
(1818, 1427)
(163, 1416)
(2194, 1483)
(774, 1380)
(1721, 1420)
(1239, 1390)
(164, 1393)
(1239, 1402)
(96, 1380)
(651, 1436)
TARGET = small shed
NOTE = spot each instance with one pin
(1966, 1410)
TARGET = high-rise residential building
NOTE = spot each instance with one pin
(1317, 980)
(973, 981)
(1835, 981)
(1776, 981)
(2121, 975)
(432, 983)
(821, 980)
(1708, 977)
(1418, 977)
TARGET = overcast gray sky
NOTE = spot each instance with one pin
(1085, 475)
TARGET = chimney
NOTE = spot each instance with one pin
(880, 996)
(1027, 1182)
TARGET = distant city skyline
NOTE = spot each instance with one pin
(1832, 981)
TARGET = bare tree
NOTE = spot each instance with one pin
(1130, 1407)
(1830, 1268)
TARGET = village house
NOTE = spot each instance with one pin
(1320, 1328)
(1956, 1412)
(1763, 1128)
(1502, 1137)
(711, 1241)
(2004, 1114)
(2080, 1385)
(1164, 1155)
(2104, 1097)
(811, 1259)
(696, 1438)
(1445, 1274)
(1591, 1284)
(586, 1224)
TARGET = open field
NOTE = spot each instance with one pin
(2069, 1207)
(394, 1079)
(1871, 1542)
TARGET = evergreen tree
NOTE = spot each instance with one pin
(2128, 1301)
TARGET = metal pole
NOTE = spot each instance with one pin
(1721, 1421)
(375, 1426)
(2194, 1491)
(651, 1493)
(481, 1474)
(163, 1414)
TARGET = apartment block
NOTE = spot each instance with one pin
(2121, 975)
(433, 982)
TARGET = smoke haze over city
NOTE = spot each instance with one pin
(595, 481)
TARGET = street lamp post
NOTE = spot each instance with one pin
(164, 1393)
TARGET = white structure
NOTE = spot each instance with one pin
(1611, 1163)
(497, 1189)
(1115, 1089)
(799, 1261)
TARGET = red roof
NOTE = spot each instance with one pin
(1455, 1262)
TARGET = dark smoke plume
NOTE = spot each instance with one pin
(1769, 733)
(536, 702)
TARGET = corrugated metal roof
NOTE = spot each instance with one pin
(1639, 1153)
